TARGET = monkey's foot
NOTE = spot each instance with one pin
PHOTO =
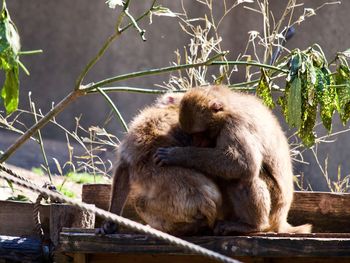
(107, 227)
(225, 228)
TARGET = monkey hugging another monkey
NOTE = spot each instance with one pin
(210, 159)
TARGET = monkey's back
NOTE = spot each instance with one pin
(270, 138)
(173, 193)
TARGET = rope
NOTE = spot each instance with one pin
(36, 216)
(36, 210)
(16, 179)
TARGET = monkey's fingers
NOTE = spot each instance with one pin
(107, 228)
(161, 157)
(222, 228)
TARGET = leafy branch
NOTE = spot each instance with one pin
(310, 85)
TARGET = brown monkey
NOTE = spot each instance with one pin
(250, 159)
(176, 200)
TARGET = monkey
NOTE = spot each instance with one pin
(176, 200)
(250, 160)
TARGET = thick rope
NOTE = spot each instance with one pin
(19, 180)
(36, 209)
(36, 216)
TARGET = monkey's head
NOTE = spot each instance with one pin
(201, 113)
(168, 100)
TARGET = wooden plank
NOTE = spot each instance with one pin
(328, 212)
(19, 249)
(247, 246)
(120, 258)
(16, 218)
(63, 215)
(128, 258)
(80, 258)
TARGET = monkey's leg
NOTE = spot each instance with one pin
(119, 195)
(252, 206)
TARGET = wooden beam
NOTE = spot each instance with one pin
(274, 245)
(327, 212)
(62, 215)
(16, 218)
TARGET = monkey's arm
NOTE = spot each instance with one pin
(236, 159)
(119, 195)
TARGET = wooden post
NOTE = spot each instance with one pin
(99, 195)
(62, 215)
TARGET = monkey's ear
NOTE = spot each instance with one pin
(170, 100)
(216, 106)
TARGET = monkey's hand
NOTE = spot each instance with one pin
(166, 156)
(107, 227)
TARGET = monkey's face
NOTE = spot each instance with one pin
(200, 113)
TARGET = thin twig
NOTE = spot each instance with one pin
(157, 71)
(53, 112)
(133, 90)
(40, 139)
(115, 109)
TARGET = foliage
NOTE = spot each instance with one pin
(67, 192)
(19, 197)
(9, 49)
(310, 85)
(85, 178)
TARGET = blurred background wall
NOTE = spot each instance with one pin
(71, 32)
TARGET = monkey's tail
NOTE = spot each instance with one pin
(302, 229)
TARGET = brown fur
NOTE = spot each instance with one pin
(176, 200)
(250, 158)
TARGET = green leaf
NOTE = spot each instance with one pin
(113, 3)
(264, 90)
(9, 48)
(328, 100)
(10, 90)
(294, 103)
(295, 64)
(342, 80)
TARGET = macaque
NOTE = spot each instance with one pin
(249, 160)
(177, 200)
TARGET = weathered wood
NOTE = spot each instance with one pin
(127, 258)
(99, 195)
(62, 215)
(328, 212)
(16, 218)
(80, 258)
(85, 241)
(20, 249)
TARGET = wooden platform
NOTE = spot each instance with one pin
(264, 247)
(328, 212)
